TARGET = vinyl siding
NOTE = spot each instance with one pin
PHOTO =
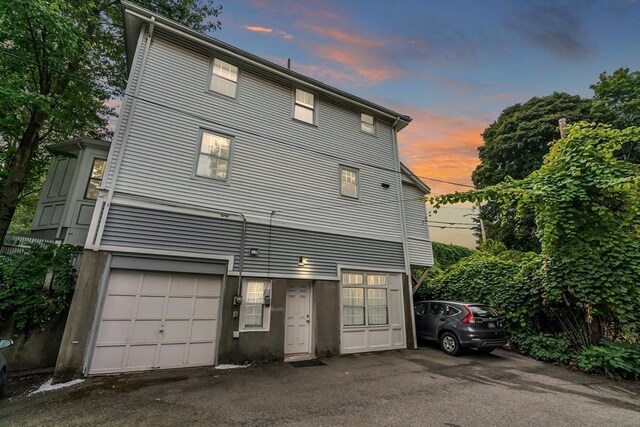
(155, 229)
(269, 171)
(415, 211)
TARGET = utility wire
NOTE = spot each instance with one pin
(205, 119)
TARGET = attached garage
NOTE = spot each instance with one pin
(154, 319)
(371, 312)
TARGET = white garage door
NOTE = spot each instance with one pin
(157, 320)
(372, 312)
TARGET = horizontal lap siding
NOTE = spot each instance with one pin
(415, 212)
(154, 229)
(267, 172)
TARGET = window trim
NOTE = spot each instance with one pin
(231, 139)
(86, 187)
(365, 287)
(212, 59)
(357, 171)
(375, 124)
(266, 313)
(314, 110)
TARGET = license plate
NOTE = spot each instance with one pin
(491, 324)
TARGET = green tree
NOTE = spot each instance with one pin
(586, 204)
(60, 60)
(514, 146)
(616, 101)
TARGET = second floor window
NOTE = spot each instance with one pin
(367, 124)
(224, 79)
(95, 179)
(304, 106)
(349, 182)
(213, 158)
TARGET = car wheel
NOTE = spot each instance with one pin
(486, 350)
(450, 344)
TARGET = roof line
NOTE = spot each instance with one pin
(187, 32)
(417, 181)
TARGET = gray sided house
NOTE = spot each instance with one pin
(246, 213)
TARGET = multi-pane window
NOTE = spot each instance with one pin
(367, 124)
(364, 299)
(253, 315)
(349, 182)
(95, 179)
(213, 158)
(224, 79)
(304, 106)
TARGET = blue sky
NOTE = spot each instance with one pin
(452, 65)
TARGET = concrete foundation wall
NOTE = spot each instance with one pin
(33, 351)
(408, 310)
(80, 319)
(252, 346)
(326, 315)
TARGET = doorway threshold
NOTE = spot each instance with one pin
(298, 357)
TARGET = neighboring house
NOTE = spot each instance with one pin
(247, 212)
(70, 191)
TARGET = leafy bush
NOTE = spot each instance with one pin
(445, 255)
(616, 360)
(22, 275)
(545, 347)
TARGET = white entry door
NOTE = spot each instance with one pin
(157, 320)
(297, 331)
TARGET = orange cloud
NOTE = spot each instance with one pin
(343, 36)
(267, 30)
(441, 147)
(368, 66)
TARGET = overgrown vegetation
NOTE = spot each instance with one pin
(583, 285)
(36, 285)
(445, 254)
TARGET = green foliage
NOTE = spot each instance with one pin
(60, 61)
(545, 347)
(445, 255)
(22, 276)
(616, 360)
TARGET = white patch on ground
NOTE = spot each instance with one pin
(47, 386)
(232, 366)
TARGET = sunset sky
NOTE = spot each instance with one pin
(451, 65)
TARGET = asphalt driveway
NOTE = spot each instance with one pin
(410, 387)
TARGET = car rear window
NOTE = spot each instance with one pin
(483, 311)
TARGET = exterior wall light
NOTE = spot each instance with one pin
(302, 260)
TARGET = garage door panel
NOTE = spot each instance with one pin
(123, 282)
(209, 286)
(119, 307)
(146, 331)
(155, 283)
(179, 308)
(203, 330)
(176, 330)
(142, 356)
(172, 355)
(183, 284)
(108, 358)
(206, 308)
(150, 307)
(114, 331)
(201, 353)
(157, 320)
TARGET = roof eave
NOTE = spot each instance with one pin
(134, 17)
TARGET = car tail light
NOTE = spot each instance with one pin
(469, 317)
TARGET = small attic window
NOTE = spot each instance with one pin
(95, 179)
(367, 124)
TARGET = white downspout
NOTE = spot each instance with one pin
(405, 246)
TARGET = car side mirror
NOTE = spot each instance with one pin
(4, 343)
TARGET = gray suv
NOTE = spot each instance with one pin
(458, 325)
